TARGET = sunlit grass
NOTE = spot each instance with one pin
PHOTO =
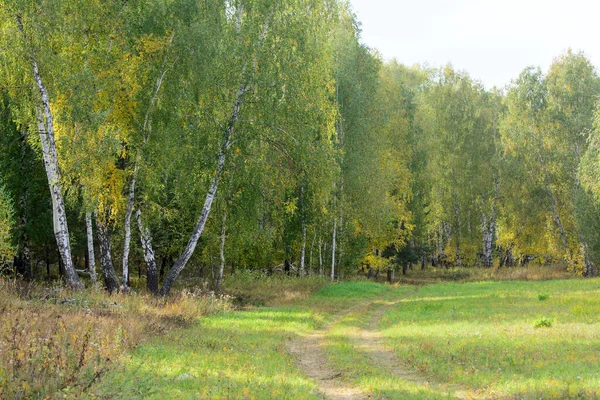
(240, 354)
(484, 336)
(475, 338)
(360, 370)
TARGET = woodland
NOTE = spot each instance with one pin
(213, 136)
(203, 198)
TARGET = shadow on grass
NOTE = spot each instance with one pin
(231, 355)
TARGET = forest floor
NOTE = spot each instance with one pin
(363, 340)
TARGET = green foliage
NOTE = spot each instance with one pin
(6, 224)
(543, 297)
(408, 163)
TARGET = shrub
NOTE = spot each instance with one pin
(543, 323)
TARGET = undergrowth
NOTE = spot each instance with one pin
(56, 341)
(533, 272)
(257, 288)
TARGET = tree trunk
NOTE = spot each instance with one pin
(557, 221)
(111, 282)
(90, 248)
(149, 258)
(457, 230)
(147, 132)
(391, 275)
(222, 252)
(310, 257)
(210, 196)
(303, 252)
(127, 228)
(320, 257)
(333, 244)
(488, 228)
(50, 156)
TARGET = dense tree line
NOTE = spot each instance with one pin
(196, 135)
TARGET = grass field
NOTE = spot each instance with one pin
(504, 339)
(500, 339)
(231, 355)
(472, 340)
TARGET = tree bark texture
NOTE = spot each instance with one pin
(333, 245)
(303, 252)
(90, 248)
(210, 196)
(222, 252)
(46, 131)
(149, 258)
(127, 228)
(111, 282)
(212, 191)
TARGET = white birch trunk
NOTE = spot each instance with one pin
(333, 244)
(127, 228)
(310, 257)
(212, 191)
(222, 252)
(210, 196)
(303, 252)
(108, 271)
(149, 258)
(46, 131)
(90, 248)
(147, 132)
(457, 215)
(320, 257)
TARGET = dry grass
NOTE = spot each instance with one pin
(53, 341)
(533, 272)
(255, 288)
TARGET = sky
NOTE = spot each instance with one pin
(493, 40)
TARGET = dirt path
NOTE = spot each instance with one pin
(371, 342)
(310, 354)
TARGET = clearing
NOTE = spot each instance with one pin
(359, 340)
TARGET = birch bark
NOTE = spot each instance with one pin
(46, 131)
(210, 196)
(149, 258)
(333, 244)
(90, 248)
(320, 257)
(108, 271)
(146, 132)
(127, 228)
(222, 252)
(212, 191)
(303, 252)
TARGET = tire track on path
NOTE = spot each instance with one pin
(370, 341)
(310, 355)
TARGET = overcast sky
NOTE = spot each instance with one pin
(493, 40)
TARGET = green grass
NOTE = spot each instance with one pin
(241, 354)
(362, 371)
(477, 337)
(484, 336)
